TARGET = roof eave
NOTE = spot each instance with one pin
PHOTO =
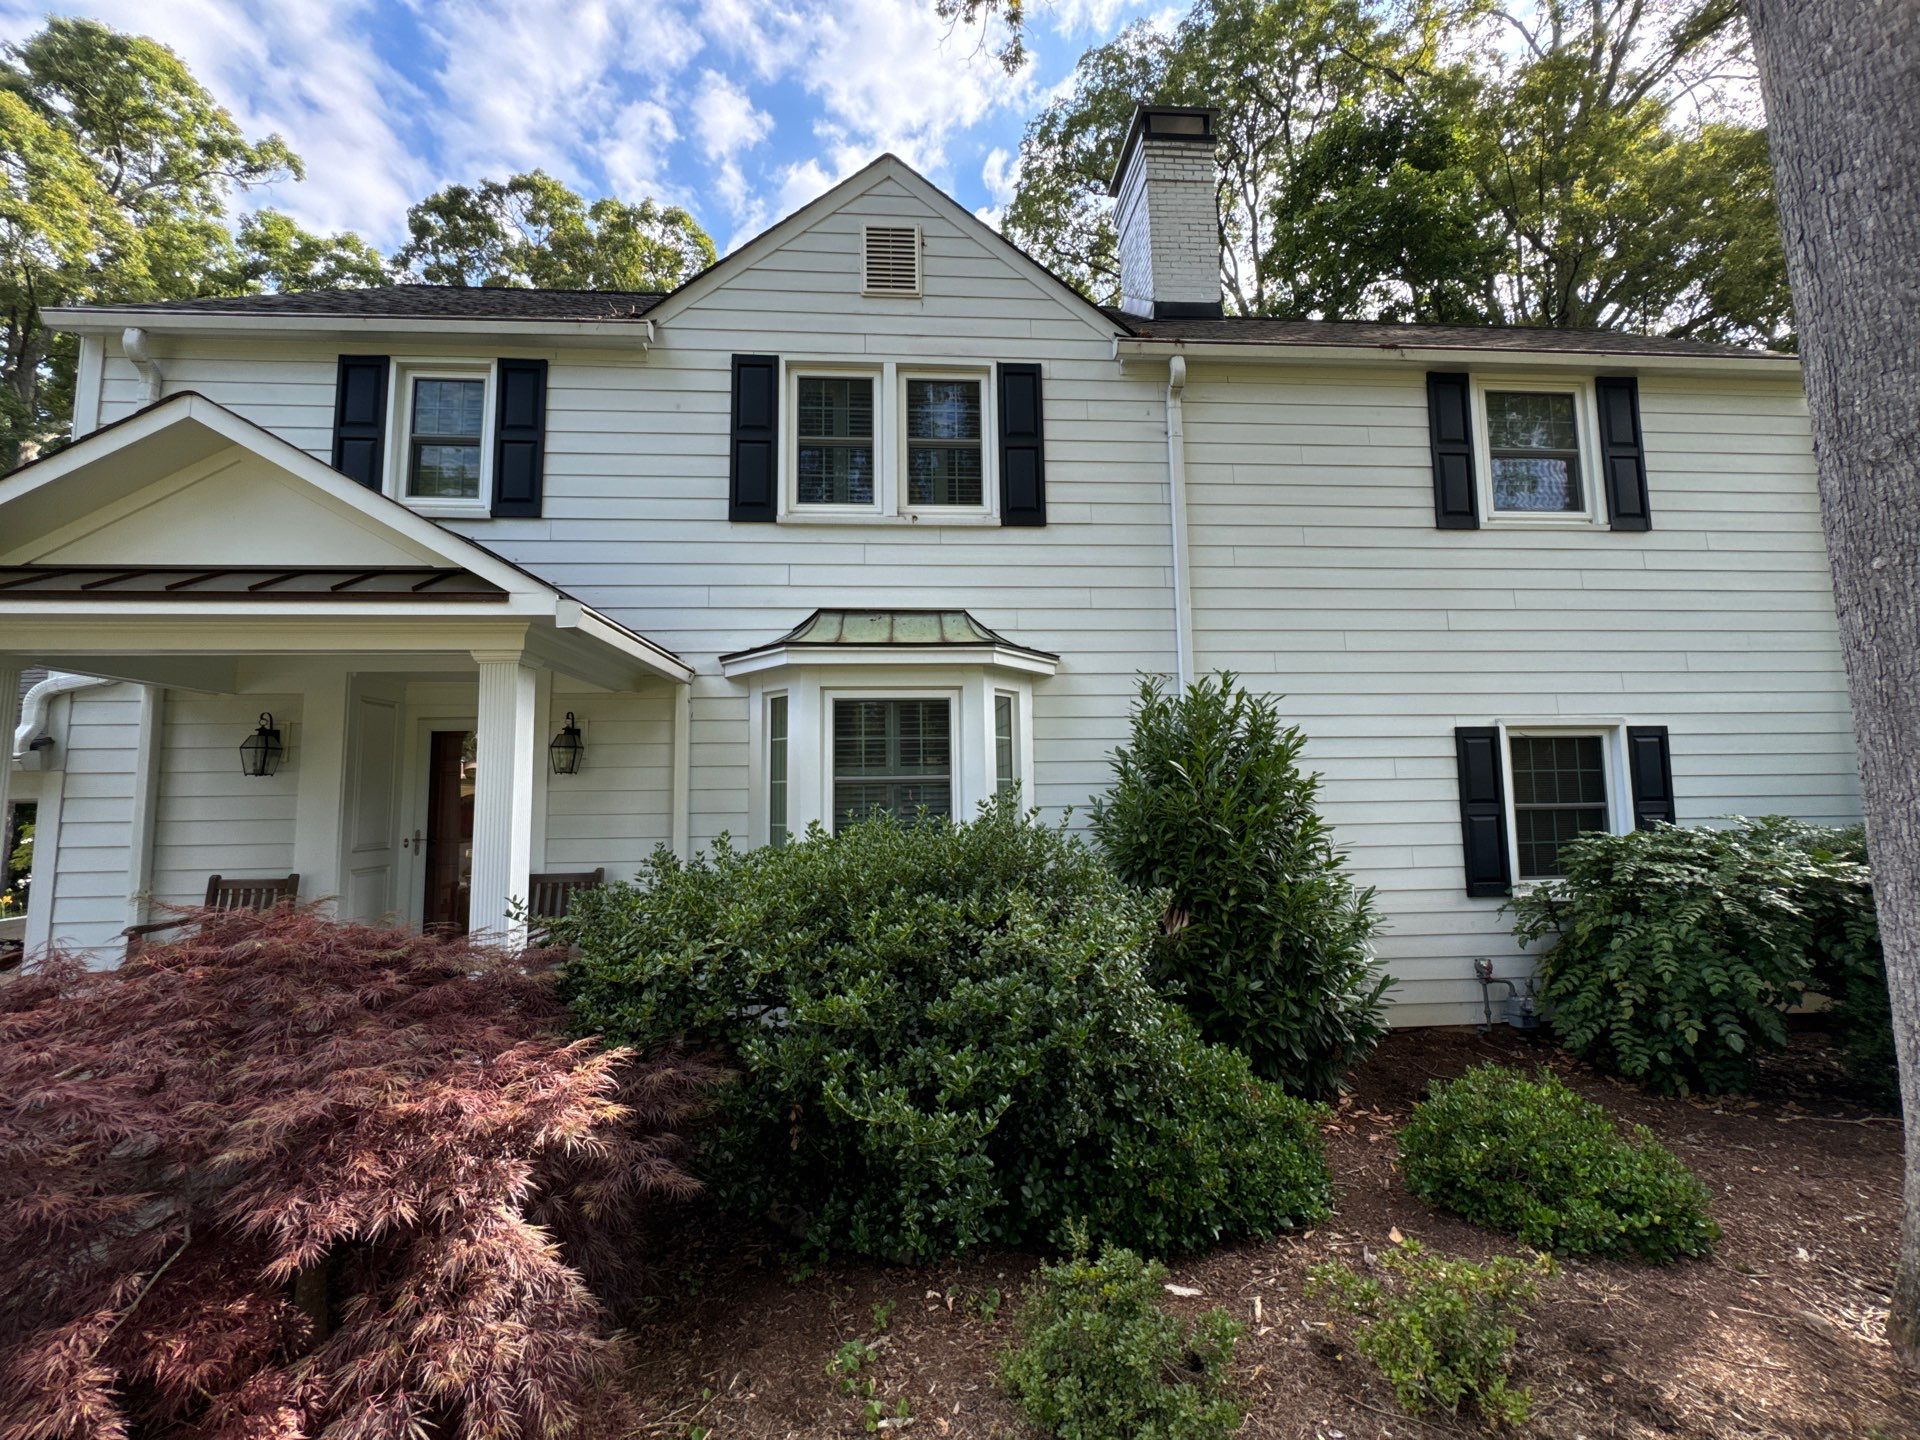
(1758, 363)
(784, 656)
(107, 320)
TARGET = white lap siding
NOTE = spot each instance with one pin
(210, 819)
(1319, 576)
(85, 820)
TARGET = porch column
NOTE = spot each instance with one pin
(506, 749)
(9, 722)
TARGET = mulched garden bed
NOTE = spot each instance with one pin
(1781, 1334)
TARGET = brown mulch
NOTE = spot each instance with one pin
(1781, 1334)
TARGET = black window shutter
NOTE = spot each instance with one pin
(1483, 810)
(1650, 764)
(753, 468)
(1623, 454)
(360, 418)
(520, 438)
(1456, 506)
(1023, 451)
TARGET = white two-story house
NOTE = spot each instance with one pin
(876, 513)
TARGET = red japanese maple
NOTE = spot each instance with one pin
(285, 1176)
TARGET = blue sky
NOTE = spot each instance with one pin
(741, 110)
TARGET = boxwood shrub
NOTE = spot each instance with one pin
(1533, 1158)
(946, 1038)
(1670, 954)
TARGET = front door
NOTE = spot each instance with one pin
(449, 841)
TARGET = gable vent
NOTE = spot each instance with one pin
(892, 260)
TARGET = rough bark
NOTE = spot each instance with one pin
(1841, 79)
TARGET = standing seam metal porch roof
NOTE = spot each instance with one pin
(904, 629)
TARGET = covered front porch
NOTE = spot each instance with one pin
(398, 690)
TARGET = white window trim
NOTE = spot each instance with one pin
(1613, 737)
(1587, 427)
(400, 433)
(811, 691)
(889, 505)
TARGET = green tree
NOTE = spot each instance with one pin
(531, 230)
(273, 252)
(116, 168)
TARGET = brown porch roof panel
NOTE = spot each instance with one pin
(227, 582)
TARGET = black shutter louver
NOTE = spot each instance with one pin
(360, 418)
(1456, 506)
(520, 438)
(1023, 460)
(1623, 454)
(753, 466)
(1650, 766)
(1483, 810)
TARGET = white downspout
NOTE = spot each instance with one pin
(38, 700)
(133, 340)
(1177, 499)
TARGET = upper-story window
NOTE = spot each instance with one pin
(443, 454)
(1536, 450)
(890, 441)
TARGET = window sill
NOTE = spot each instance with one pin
(441, 510)
(1542, 522)
(795, 517)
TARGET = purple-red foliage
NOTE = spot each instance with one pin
(286, 1176)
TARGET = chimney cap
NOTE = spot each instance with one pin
(1181, 124)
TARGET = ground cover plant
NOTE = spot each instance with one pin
(1670, 954)
(1440, 1328)
(1268, 942)
(946, 1038)
(287, 1177)
(1531, 1157)
(1099, 1358)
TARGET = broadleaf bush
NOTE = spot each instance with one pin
(1440, 1329)
(946, 1038)
(1099, 1358)
(1669, 955)
(287, 1177)
(1268, 942)
(1531, 1157)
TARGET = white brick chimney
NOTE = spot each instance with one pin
(1167, 210)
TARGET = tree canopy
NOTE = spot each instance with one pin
(531, 230)
(1563, 162)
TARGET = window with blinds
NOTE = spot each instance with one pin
(892, 260)
(892, 756)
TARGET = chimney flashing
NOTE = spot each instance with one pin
(1182, 124)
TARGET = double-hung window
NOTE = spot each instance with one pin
(834, 456)
(892, 441)
(1561, 790)
(893, 755)
(1536, 451)
(444, 451)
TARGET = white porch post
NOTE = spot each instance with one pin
(506, 749)
(9, 721)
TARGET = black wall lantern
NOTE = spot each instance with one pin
(566, 748)
(260, 752)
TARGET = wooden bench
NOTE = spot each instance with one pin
(550, 896)
(225, 893)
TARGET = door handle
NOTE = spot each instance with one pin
(416, 842)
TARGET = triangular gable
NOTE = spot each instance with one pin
(886, 168)
(189, 482)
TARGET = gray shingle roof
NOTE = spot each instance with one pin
(419, 302)
(1263, 330)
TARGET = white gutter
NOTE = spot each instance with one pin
(1758, 365)
(35, 704)
(133, 340)
(1177, 501)
(76, 320)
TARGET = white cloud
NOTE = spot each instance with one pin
(305, 71)
(998, 172)
(634, 152)
(728, 124)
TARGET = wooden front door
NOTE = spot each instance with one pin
(450, 782)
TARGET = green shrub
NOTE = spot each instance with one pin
(1098, 1359)
(1533, 1158)
(1673, 952)
(1847, 966)
(1441, 1330)
(946, 1038)
(1269, 942)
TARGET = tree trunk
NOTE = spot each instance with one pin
(1841, 79)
